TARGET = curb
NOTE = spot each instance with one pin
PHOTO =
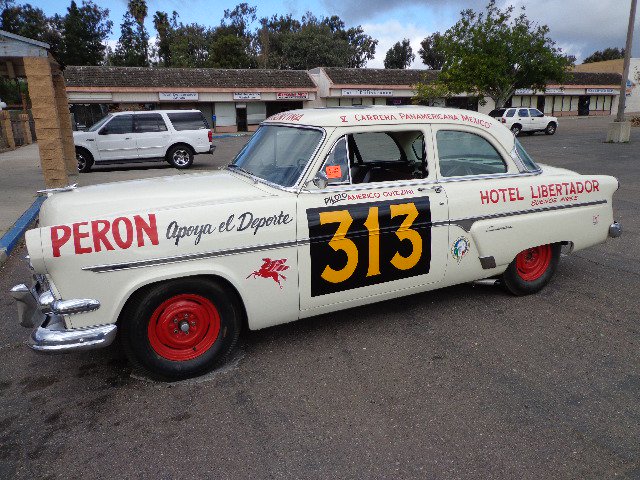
(10, 240)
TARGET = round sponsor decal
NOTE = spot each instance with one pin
(460, 248)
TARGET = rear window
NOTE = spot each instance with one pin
(188, 121)
(511, 112)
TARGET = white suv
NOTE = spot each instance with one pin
(123, 137)
(524, 119)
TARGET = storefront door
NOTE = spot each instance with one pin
(540, 104)
(583, 105)
(241, 119)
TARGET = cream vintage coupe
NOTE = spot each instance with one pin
(322, 210)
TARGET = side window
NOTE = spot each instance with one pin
(536, 113)
(386, 156)
(511, 112)
(463, 154)
(523, 112)
(336, 165)
(120, 124)
(149, 122)
(188, 121)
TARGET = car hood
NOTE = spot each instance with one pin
(81, 135)
(135, 196)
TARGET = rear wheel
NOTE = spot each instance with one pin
(180, 156)
(532, 269)
(516, 129)
(182, 328)
(84, 159)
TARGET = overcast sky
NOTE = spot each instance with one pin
(578, 26)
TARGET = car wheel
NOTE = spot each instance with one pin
(516, 129)
(551, 128)
(182, 328)
(180, 156)
(532, 269)
(84, 159)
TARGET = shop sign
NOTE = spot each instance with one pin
(601, 91)
(366, 92)
(554, 90)
(246, 96)
(178, 96)
(524, 91)
(292, 95)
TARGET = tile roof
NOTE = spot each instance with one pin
(593, 78)
(378, 76)
(184, 77)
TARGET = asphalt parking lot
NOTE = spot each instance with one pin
(465, 382)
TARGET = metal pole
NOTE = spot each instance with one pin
(627, 58)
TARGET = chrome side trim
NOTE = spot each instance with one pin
(467, 223)
(50, 191)
(464, 223)
(191, 256)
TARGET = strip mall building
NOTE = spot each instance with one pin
(238, 100)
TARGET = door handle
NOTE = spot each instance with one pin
(127, 138)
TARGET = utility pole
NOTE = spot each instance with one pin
(620, 131)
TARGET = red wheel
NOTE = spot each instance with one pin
(184, 327)
(532, 269)
(181, 328)
(532, 263)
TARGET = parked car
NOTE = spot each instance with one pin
(124, 137)
(524, 119)
(322, 210)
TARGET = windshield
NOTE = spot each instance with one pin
(526, 159)
(99, 123)
(278, 154)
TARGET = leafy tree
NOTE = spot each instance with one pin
(431, 56)
(431, 93)
(189, 46)
(400, 55)
(165, 27)
(286, 43)
(84, 30)
(132, 49)
(362, 47)
(31, 22)
(606, 54)
(492, 53)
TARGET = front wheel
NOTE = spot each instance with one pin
(180, 156)
(551, 128)
(181, 328)
(532, 269)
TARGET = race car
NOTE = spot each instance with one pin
(322, 210)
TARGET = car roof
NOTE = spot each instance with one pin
(137, 112)
(392, 115)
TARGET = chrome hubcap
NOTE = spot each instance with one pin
(81, 161)
(181, 157)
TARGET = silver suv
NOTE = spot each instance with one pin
(174, 136)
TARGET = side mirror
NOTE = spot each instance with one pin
(320, 180)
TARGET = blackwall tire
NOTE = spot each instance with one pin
(180, 156)
(84, 159)
(532, 269)
(551, 128)
(181, 328)
(516, 129)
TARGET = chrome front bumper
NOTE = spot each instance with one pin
(38, 309)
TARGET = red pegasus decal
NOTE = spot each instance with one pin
(271, 269)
